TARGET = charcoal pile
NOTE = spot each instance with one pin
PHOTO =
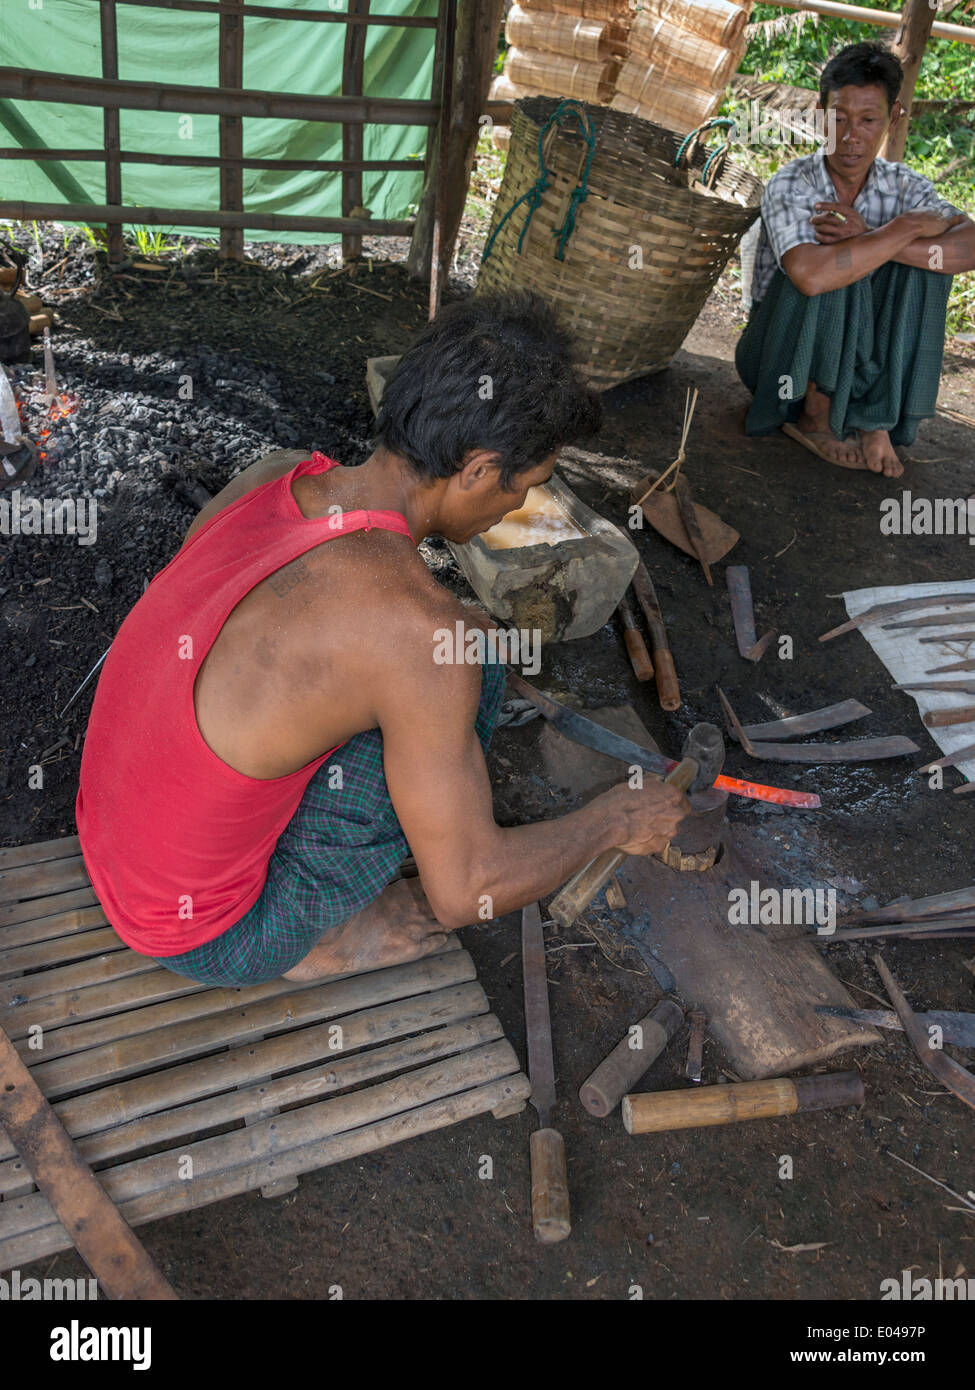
(167, 369)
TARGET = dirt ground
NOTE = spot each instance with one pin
(692, 1215)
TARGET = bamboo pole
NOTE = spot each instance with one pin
(478, 27)
(29, 84)
(882, 18)
(231, 74)
(909, 45)
(352, 77)
(113, 168)
(446, 94)
(203, 161)
(192, 217)
(279, 12)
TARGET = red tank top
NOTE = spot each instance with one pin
(175, 841)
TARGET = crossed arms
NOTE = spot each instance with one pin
(847, 250)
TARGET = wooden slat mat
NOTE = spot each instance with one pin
(143, 1067)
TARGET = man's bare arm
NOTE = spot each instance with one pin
(956, 247)
(816, 269)
(470, 868)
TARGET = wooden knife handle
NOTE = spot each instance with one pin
(639, 656)
(668, 691)
(941, 718)
(550, 1187)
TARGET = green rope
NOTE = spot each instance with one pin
(716, 122)
(566, 108)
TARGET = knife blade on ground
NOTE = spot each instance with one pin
(957, 1028)
(592, 735)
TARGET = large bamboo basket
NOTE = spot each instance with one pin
(718, 20)
(627, 319)
(673, 102)
(556, 75)
(584, 9)
(592, 40)
(677, 53)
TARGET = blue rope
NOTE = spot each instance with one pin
(566, 108)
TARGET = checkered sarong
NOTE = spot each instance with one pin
(338, 852)
(874, 347)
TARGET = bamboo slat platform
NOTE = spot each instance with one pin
(147, 1070)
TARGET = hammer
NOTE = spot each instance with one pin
(701, 762)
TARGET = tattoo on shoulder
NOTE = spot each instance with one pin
(288, 577)
(844, 258)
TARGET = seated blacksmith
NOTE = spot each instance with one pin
(853, 269)
(275, 729)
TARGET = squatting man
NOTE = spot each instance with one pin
(853, 268)
(270, 737)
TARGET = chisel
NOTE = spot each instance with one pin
(550, 1184)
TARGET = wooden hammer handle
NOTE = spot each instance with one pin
(576, 895)
(550, 1187)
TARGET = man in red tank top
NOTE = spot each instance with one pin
(275, 728)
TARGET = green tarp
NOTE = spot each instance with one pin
(177, 46)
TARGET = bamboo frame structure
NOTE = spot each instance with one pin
(231, 103)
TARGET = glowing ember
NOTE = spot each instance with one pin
(64, 405)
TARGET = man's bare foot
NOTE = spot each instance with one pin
(813, 425)
(397, 926)
(880, 454)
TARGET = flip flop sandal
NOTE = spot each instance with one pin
(808, 441)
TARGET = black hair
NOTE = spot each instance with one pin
(862, 65)
(496, 372)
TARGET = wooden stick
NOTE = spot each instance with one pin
(213, 161)
(352, 69)
(276, 12)
(745, 1100)
(113, 168)
(231, 127)
(959, 32)
(276, 222)
(668, 691)
(100, 1235)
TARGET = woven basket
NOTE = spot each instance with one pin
(718, 20)
(583, 9)
(556, 75)
(669, 101)
(677, 53)
(627, 320)
(592, 40)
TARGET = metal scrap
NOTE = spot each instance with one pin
(904, 605)
(857, 751)
(830, 717)
(956, 1028)
(752, 648)
(949, 1072)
